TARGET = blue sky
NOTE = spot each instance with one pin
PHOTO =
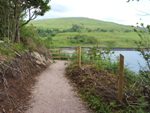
(118, 11)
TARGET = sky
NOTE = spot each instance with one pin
(118, 11)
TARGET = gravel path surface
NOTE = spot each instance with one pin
(54, 94)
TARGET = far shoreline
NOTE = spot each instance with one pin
(86, 47)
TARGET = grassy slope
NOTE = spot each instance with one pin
(64, 23)
(123, 40)
(118, 38)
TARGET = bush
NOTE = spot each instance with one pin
(31, 39)
(83, 39)
(28, 32)
(7, 48)
(48, 32)
(76, 28)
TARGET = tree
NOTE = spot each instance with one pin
(17, 13)
(29, 8)
(5, 24)
(34, 8)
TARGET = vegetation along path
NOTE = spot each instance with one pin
(54, 94)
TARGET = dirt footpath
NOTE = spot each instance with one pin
(53, 93)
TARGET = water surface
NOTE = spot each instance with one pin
(133, 60)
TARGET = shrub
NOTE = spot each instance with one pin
(9, 49)
(47, 32)
(76, 28)
(83, 39)
(29, 31)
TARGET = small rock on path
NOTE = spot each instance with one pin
(54, 94)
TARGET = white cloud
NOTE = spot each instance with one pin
(109, 10)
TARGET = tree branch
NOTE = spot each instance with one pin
(31, 17)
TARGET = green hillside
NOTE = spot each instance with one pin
(64, 23)
(92, 32)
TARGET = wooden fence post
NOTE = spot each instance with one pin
(121, 78)
(59, 53)
(79, 56)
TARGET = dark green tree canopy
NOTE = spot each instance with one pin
(32, 8)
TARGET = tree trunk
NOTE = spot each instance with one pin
(17, 23)
(17, 31)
